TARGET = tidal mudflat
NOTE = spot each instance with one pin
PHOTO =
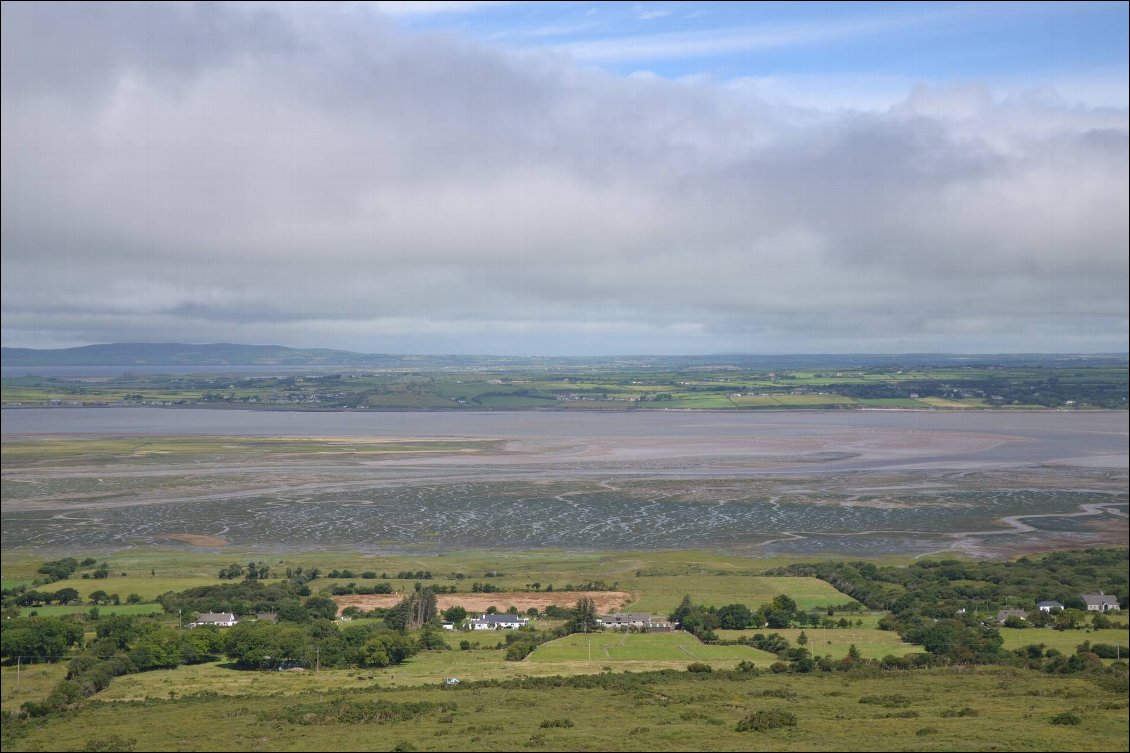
(843, 484)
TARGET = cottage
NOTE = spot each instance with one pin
(638, 620)
(219, 619)
(1048, 606)
(267, 617)
(1004, 614)
(1100, 602)
(499, 622)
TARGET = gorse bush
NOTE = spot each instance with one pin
(762, 721)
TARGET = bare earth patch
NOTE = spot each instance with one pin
(606, 601)
(194, 539)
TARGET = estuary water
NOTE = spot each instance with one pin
(858, 482)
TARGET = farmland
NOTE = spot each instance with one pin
(675, 648)
(719, 384)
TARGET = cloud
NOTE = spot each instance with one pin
(745, 38)
(323, 179)
(649, 14)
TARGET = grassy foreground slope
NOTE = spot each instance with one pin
(938, 709)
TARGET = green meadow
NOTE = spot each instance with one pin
(612, 646)
(870, 642)
(969, 708)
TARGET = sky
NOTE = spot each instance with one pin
(567, 178)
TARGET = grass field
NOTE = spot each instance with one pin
(56, 610)
(872, 643)
(661, 594)
(678, 647)
(1063, 640)
(1012, 710)
(146, 586)
(28, 682)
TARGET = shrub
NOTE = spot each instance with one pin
(761, 721)
(896, 701)
(556, 723)
(699, 668)
(927, 731)
(1067, 717)
(963, 711)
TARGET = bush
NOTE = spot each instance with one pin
(1067, 717)
(761, 721)
(111, 743)
(556, 723)
(896, 701)
(699, 668)
(964, 711)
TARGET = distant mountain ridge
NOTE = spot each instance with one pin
(181, 354)
(219, 355)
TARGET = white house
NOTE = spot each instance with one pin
(638, 620)
(219, 619)
(499, 622)
(1100, 602)
(1047, 606)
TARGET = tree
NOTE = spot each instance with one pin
(783, 603)
(734, 617)
(99, 597)
(455, 614)
(321, 607)
(66, 595)
(802, 639)
(584, 617)
(685, 607)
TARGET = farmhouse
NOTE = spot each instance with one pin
(499, 622)
(219, 619)
(1100, 602)
(1004, 614)
(639, 620)
(1047, 606)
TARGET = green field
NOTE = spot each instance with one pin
(610, 646)
(871, 643)
(56, 610)
(28, 682)
(145, 586)
(1063, 640)
(661, 594)
(1012, 710)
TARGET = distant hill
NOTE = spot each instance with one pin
(126, 355)
(219, 355)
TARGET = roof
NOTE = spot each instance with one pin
(1099, 599)
(216, 617)
(1004, 614)
(497, 618)
(632, 617)
(1052, 604)
(268, 617)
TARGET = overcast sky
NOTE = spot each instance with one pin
(567, 178)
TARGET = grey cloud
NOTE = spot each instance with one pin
(316, 178)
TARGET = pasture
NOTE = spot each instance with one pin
(1061, 640)
(661, 594)
(1010, 709)
(674, 647)
(871, 643)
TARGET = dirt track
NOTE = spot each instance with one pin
(606, 601)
